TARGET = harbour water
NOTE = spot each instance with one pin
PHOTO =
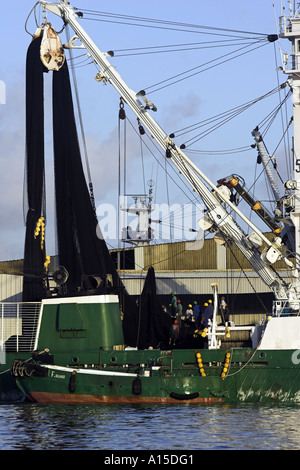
(177, 428)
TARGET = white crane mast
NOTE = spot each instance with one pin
(215, 198)
(290, 29)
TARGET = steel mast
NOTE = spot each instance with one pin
(289, 24)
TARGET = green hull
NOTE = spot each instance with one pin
(80, 358)
(174, 377)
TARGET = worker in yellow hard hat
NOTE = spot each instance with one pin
(189, 313)
(208, 313)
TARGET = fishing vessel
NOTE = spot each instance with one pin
(91, 344)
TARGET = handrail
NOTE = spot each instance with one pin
(18, 325)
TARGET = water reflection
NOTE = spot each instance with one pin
(140, 427)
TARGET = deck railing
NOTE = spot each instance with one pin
(18, 325)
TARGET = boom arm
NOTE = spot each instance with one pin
(216, 218)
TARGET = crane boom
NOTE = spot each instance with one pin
(215, 199)
(265, 160)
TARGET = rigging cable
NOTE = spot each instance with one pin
(195, 27)
(161, 165)
(122, 137)
(193, 200)
(238, 150)
(143, 165)
(289, 164)
(225, 116)
(235, 109)
(269, 119)
(176, 78)
(29, 14)
(166, 48)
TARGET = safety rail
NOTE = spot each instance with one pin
(18, 325)
(291, 62)
(284, 308)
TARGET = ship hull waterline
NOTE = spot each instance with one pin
(250, 383)
(9, 391)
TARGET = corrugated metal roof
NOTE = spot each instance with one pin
(197, 283)
(178, 266)
(190, 256)
(181, 256)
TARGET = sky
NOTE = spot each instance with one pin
(182, 104)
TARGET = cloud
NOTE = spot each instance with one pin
(183, 108)
(12, 151)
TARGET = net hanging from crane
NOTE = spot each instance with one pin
(81, 251)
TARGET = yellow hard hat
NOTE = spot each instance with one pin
(206, 304)
(210, 301)
(190, 306)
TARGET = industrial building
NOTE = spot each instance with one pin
(181, 268)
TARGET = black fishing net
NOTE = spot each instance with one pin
(82, 250)
(154, 326)
(33, 284)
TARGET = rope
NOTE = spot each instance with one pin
(246, 363)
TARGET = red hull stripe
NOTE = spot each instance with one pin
(44, 397)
